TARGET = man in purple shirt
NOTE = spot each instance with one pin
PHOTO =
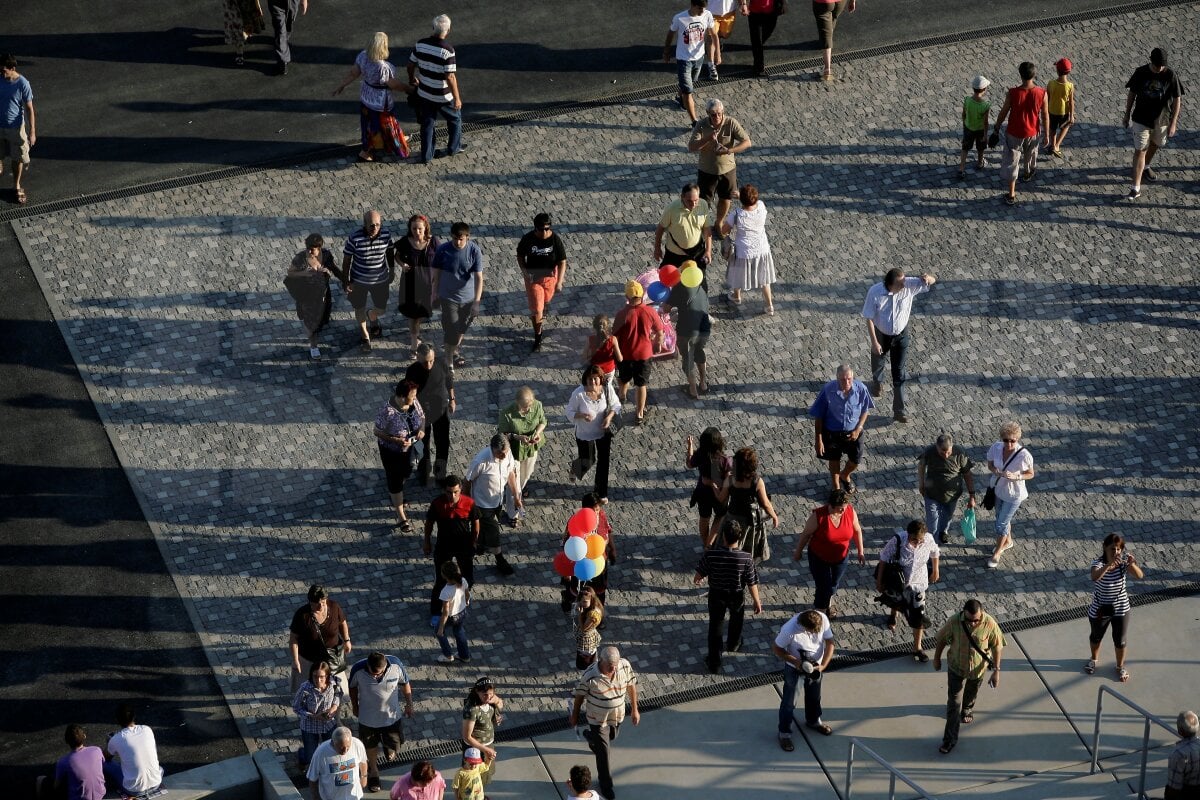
(80, 773)
(840, 412)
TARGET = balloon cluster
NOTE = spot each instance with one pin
(583, 553)
(669, 275)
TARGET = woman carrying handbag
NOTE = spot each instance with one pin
(1011, 465)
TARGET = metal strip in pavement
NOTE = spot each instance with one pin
(556, 109)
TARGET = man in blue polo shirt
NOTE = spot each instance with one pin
(375, 686)
(16, 115)
(840, 411)
(458, 282)
(367, 270)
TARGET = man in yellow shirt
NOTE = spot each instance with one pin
(684, 231)
(974, 643)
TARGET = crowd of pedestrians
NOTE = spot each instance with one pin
(446, 278)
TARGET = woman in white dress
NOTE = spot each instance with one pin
(752, 266)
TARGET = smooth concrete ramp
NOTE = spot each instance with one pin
(1163, 641)
(719, 747)
(897, 708)
(1072, 783)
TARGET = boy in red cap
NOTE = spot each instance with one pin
(1060, 102)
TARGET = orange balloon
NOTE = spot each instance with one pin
(595, 545)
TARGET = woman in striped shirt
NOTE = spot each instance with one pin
(1110, 600)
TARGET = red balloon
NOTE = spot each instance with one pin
(668, 275)
(563, 565)
(583, 522)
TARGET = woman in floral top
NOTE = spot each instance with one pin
(399, 427)
(317, 703)
(523, 422)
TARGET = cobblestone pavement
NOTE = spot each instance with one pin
(1075, 313)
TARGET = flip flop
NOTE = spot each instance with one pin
(22, 199)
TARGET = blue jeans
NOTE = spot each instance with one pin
(938, 516)
(826, 576)
(1005, 511)
(688, 73)
(428, 113)
(812, 698)
(458, 624)
(894, 348)
(309, 741)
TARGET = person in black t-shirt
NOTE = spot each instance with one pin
(543, 262)
(1153, 105)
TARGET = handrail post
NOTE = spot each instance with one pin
(849, 770)
(1096, 732)
(892, 788)
(1145, 754)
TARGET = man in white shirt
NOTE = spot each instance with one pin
(805, 645)
(134, 747)
(887, 309)
(338, 770)
(375, 685)
(492, 468)
(693, 33)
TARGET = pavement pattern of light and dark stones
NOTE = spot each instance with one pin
(1075, 313)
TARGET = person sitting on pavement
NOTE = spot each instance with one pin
(79, 775)
(136, 769)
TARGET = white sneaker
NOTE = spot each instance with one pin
(993, 563)
(314, 353)
(445, 659)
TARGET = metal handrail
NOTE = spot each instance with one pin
(895, 773)
(1147, 716)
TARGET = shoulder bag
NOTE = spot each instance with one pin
(989, 497)
(891, 575)
(617, 423)
(974, 644)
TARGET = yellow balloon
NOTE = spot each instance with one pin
(691, 277)
(600, 565)
(595, 545)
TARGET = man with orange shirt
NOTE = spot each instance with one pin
(639, 331)
(1025, 109)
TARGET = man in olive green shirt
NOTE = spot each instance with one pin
(718, 138)
(966, 664)
(941, 471)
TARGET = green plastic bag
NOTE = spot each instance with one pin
(968, 526)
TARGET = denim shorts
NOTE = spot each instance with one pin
(689, 73)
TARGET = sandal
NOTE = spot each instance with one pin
(22, 199)
(769, 311)
(405, 526)
(822, 729)
(1090, 666)
(459, 361)
(1122, 675)
(920, 657)
(891, 624)
(968, 718)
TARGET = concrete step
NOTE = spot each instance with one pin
(1073, 783)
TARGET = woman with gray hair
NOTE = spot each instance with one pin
(377, 124)
(1011, 465)
(523, 421)
(752, 266)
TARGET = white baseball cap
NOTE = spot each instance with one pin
(980, 82)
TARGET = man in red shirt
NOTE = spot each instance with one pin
(457, 521)
(639, 331)
(1025, 109)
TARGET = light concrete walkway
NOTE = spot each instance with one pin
(1031, 739)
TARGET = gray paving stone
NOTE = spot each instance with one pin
(1075, 313)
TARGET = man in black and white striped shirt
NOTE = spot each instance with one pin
(730, 572)
(432, 69)
(367, 270)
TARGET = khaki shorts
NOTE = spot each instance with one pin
(725, 24)
(1143, 135)
(14, 144)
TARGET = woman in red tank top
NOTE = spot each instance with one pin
(827, 535)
